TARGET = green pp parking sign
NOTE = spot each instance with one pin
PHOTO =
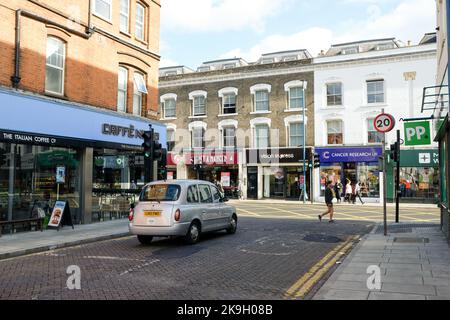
(417, 133)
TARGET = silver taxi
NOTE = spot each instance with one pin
(180, 208)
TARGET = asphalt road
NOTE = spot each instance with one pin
(266, 259)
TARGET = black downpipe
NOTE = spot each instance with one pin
(19, 13)
(16, 77)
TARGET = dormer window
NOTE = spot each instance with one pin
(170, 73)
(385, 46)
(290, 58)
(204, 69)
(350, 50)
(229, 66)
(267, 60)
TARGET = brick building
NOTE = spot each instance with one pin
(78, 85)
(241, 123)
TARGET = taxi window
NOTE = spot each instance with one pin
(205, 194)
(192, 194)
(216, 194)
(160, 192)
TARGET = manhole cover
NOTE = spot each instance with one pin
(321, 238)
(412, 240)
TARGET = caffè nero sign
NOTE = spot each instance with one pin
(115, 130)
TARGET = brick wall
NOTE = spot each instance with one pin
(91, 64)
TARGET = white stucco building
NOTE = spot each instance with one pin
(353, 82)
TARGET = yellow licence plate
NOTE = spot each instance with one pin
(152, 213)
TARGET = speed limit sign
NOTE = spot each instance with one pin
(384, 123)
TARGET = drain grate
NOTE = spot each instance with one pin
(405, 228)
(412, 240)
(321, 238)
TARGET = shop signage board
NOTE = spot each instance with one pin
(426, 158)
(346, 154)
(60, 215)
(417, 133)
(213, 157)
(276, 155)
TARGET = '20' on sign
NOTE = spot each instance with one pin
(384, 123)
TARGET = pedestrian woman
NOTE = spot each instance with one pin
(328, 202)
(348, 191)
(338, 191)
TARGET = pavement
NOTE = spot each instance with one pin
(23, 243)
(413, 262)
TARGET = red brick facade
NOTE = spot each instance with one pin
(91, 64)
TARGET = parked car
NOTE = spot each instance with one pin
(180, 208)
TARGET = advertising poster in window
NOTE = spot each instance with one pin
(61, 175)
(169, 175)
(225, 179)
(57, 214)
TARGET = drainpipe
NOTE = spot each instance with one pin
(16, 77)
(19, 13)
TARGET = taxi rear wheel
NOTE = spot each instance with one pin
(193, 234)
(233, 225)
(145, 239)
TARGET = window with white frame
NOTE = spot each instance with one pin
(373, 136)
(261, 136)
(170, 108)
(261, 100)
(375, 91)
(296, 137)
(296, 98)
(199, 106)
(122, 90)
(140, 17)
(229, 137)
(124, 15)
(140, 88)
(103, 8)
(334, 132)
(350, 50)
(170, 139)
(334, 94)
(229, 103)
(198, 137)
(54, 67)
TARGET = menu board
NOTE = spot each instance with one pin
(225, 179)
(60, 215)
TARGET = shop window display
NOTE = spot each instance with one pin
(419, 183)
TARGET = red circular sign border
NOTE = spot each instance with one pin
(389, 116)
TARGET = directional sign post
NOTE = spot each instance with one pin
(384, 123)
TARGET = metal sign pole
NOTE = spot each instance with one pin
(384, 185)
(397, 181)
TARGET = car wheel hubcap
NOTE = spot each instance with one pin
(233, 224)
(194, 232)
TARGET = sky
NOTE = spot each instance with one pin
(194, 31)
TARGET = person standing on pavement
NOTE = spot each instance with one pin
(358, 192)
(338, 191)
(348, 191)
(328, 202)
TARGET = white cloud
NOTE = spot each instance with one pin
(313, 39)
(167, 62)
(218, 15)
(408, 21)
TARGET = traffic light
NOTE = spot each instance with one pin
(148, 143)
(157, 150)
(316, 160)
(2, 157)
(162, 166)
(395, 152)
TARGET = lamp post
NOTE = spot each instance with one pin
(304, 85)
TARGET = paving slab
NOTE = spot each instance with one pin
(395, 296)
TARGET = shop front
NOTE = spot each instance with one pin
(350, 164)
(52, 150)
(277, 173)
(419, 176)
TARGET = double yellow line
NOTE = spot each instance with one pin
(301, 288)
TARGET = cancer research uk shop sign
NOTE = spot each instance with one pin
(369, 154)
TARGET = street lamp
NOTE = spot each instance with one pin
(304, 85)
